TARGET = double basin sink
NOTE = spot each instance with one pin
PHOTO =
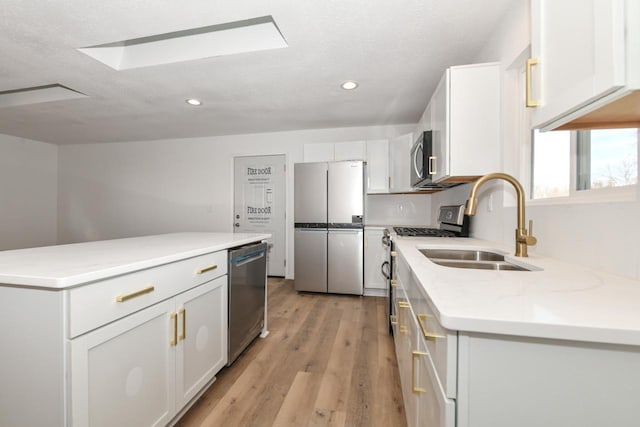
(472, 259)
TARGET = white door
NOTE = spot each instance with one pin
(259, 204)
(123, 374)
(202, 337)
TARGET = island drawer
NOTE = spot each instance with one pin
(99, 303)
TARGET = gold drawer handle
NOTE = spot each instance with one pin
(394, 253)
(394, 319)
(174, 319)
(414, 356)
(530, 102)
(428, 335)
(207, 269)
(401, 327)
(183, 313)
(394, 283)
(123, 298)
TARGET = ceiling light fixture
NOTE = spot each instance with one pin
(193, 101)
(349, 85)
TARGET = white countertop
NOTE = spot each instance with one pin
(561, 301)
(65, 266)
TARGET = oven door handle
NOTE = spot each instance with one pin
(382, 269)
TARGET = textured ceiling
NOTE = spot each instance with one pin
(396, 50)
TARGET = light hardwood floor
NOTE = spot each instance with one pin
(328, 361)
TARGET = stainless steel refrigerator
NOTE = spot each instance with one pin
(329, 227)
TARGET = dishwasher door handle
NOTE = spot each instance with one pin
(246, 259)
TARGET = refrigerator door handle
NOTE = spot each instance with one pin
(385, 271)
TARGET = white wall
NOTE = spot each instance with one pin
(128, 189)
(603, 236)
(28, 193)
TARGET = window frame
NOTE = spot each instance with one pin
(626, 193)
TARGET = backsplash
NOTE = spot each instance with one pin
(398, 209)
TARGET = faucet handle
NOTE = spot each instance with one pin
(530, 239)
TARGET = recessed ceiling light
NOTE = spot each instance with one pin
(349, 85)
(193, 101)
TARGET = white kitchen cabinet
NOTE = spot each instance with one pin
(472, 379)
(142, 369)
(334, 152)
(352, 150)
(399, 163)
(124, 373)
(465, 119)
(317, 152)
(424, 398)
(586, 57)
(377, 166)
(202, 348)
(375, 284)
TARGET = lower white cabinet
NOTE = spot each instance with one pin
(375, 283)
(124, 373)
(472, 379)
(202, 347)
(424, 399)
(143, 369)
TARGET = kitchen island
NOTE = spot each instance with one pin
(117, 332)
(558, 345)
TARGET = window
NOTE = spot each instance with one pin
(567, 163)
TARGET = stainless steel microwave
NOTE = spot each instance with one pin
(421, 159)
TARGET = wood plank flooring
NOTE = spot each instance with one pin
(328, 361)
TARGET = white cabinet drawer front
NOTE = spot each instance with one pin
(102, 302)
(205, 267)
(434, 408)
(441, 343)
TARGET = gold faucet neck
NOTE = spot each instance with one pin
(522, 237)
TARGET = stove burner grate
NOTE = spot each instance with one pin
(423, 232)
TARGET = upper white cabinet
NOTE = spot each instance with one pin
(329, 152)
(378, 166)
(399, 163)
(354, 150)
(585, 64)
(318, 152)
(465, 120)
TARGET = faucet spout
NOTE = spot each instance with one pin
(524, 238)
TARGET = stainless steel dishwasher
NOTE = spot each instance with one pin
(247, 284)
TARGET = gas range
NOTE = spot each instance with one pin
(423, 232)
(453, 223)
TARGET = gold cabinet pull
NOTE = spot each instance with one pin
(432, 162)
(415, 355)
(394, 253)
(207, 269)
(401, 326)
(393, 319)
(183, 314)
(123, 298)
(428, 335)
(530, 102)
(394, 283)
(174, 319)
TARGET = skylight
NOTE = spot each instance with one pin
(39, 94)
(205, 42)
